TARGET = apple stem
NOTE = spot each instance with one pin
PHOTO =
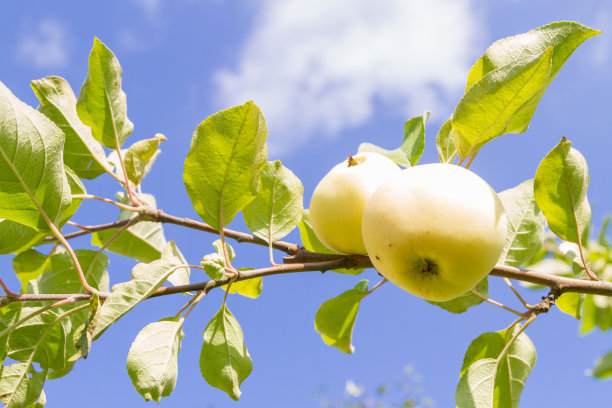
(351, 161)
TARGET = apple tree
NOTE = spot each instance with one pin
(65, 303)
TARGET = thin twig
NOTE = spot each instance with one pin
(135, 208)
(518, 295)
(496, 303)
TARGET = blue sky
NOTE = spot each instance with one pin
(328, 76)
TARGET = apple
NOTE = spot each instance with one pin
(435, 230)
(337, 203)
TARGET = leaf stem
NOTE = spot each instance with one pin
(518, 295)
(136, 208)
(378, 285)
(493, 302)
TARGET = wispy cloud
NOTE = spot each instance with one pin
(601, 49)
(317, 67)
(45, 46)
(151, 8)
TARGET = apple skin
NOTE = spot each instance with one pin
(337, 203)
(435, 230)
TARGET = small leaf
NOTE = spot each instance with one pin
(143, 241)
(312, 243)
(152, 361)
(29, 265)
(468, 299)
(492, 379)
(222, 167)
(250, 288)
(140, 156)
(413, 145)
(603, 367)
(146, 279)
(82, 153)
(571, 304)
(526, 225)
(446, 144)
(277, 208)
(224, 361)
(335, 318)
(31, 165)
(102, 103)
(491, 103)
(560, 188)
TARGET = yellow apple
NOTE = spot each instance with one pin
(435, 230)
(337, 204)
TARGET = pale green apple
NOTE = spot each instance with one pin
(435, 230)
(337, 204)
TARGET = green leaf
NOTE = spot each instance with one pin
(82, 152)
(227, 153)
(446, 144)
(20, 384)
(312, 243)
(335, 318)
(31, 165)
(140, 156)
(152, 361)
(560, 188)
(603, 367)
(488, 107)
(597, 312)
(526, 225)
(42, 399)
(172, 253)
(277, 208)
(24, 340)
(564, 36)
(224, 361)
(492, 379)
(250, 288)
(29, 265)
(102, 103)
(143, 241)
(146, 279)
(468, 299)
(412, 147)
(16, 237)
(10, 315)
(571, 303)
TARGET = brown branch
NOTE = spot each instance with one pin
(305, 261)
(149, 214)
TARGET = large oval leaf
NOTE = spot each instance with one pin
(222, 167)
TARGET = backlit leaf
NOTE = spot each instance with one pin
(140, 156)
(227, 153)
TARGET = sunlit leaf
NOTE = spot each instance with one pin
(277, 208)
(102, 103)
(31, 165)
(152, 361)
(526, 225)
(489, 106)
(490, 378)
(20, 384)
(446, 144)
(140, 156)
(228, 151)
(224, 361)
(560, 190)
(82, 153)
(603, 367)
(412, 147)
(335, 318)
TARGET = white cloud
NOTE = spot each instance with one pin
(316, 67)
(45, 46)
